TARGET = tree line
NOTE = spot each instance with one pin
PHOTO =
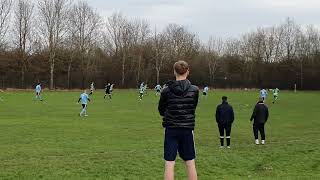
(66, 44)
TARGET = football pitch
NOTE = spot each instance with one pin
(123, 138)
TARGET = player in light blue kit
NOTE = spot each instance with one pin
(158, 89)
(84, 99)
(263, 94)
(38, 90)
(205, 91)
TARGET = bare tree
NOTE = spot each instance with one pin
(159, 44)
(22, 32)
(118, 31)
(307, 46)
(213, 50)
(180, 43)
(5, 8)
(313, 39)
(72, 50)
(289, 42)
(140, 34)
(115, 25)
(232, 47)
(85, 25)
(127, 40)
(68, 37)
(303, 49)
(291, 32)
(269, 43)
(53, 18)
(278, 48)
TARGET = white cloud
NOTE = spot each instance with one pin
(214, 17)
(290, 3)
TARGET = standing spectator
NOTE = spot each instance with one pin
(177, 105)
(225, 118)
(260, 116)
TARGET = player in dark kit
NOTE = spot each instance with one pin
(177, 105)
(225, 118)
(108, 91)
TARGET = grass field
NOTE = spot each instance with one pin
(123, 138)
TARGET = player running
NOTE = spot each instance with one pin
(92, 88)
(38, 90)
(158, 89)
(275, 94)
(84, 99)
(263, 94)
(205, 91)
(108, 90)
(141, 90)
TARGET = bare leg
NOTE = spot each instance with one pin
(169, 170)
(191, 170)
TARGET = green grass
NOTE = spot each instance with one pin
(123, 139)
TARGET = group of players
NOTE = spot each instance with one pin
(275, 92)
(84, 97)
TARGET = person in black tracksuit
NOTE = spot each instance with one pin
(224, 118)
(260, 116)
(177, 106)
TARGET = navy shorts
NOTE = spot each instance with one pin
(179, 140)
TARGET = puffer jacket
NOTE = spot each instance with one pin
(178, 103)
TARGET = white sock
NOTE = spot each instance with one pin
(81, 113)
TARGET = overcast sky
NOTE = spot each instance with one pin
(220, 18)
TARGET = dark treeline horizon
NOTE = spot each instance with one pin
(66, 45)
